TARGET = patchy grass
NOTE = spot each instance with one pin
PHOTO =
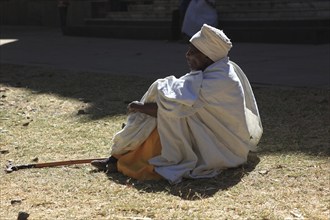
(52, 115)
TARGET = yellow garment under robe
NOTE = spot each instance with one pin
(135, 163)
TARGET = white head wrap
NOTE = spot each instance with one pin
(212, 42)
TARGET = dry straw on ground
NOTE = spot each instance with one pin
(50, 115)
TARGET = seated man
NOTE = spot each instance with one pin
(193, 126)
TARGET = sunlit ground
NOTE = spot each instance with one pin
(52, 115)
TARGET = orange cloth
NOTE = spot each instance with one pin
(135, 163)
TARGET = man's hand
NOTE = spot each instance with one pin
(146, 108)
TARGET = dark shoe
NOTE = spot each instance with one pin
(103, 165)
(112, 168)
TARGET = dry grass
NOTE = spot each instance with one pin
(53, 115)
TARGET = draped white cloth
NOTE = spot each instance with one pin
(207, 121)
(199, 12)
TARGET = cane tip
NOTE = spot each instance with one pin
(9, 169)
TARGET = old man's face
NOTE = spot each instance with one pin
(197, 60)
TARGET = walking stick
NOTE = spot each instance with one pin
(11, 167)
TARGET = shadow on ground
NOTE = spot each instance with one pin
(106, 94)
(192, 189)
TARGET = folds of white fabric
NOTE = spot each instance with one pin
(207, 121)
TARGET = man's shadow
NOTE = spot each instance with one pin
(193, 189)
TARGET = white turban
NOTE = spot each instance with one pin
(212, 42)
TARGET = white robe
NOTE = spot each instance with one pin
(207, 121)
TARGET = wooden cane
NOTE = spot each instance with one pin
(11, 167)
